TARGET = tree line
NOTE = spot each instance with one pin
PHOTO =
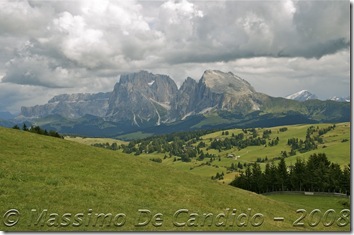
(113, 146)
(166, 138)
(176, 144)
(242, 141)
(38, 130)
(315, 174)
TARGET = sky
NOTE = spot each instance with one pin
(73, 46)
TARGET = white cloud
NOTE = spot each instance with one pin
(87, 44)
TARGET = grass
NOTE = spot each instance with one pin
(39, 172)
(134, 136)
(211, 119)
(91, 141)
(310, 202)
(336, 150)
(330, 210)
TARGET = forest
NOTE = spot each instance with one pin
(317, 174)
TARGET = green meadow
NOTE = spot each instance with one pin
(61, 185)
(91, 141)
(336, 146)
(311, 202)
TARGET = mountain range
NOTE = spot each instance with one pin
(152, 103)
(340, 99)
(304, 95)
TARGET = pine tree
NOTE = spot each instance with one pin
(269, 177)
(345, 182)
(298, 175)
(257, 182)
(282, 174)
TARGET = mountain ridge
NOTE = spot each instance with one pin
(304, 95)
(144, 101)
(340, 99)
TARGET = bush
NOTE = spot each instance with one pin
(158, 160)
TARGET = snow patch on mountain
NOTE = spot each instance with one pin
(302, 95)
(340, 99)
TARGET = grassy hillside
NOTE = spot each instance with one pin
(336, 150)
(336, 145)
(40, 172)
(91, 141)
(315, 201)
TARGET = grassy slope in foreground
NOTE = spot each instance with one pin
(39, 172)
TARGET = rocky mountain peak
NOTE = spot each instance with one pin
(187, 83)
(216, 90)
(141, 78)
(142, 101)
(142, 97)
(222, 82)
(71, 106)
(152, 85)
(146, 99)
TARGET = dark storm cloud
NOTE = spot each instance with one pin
(243, 29)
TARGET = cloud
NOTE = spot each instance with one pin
(79, 40)
(279, 76)
(243, 29)
(19, 19)
(14, 96)
(326, 77)
(87, 44)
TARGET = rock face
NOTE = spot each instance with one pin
(215, 90)
(143, 101)
(71, 106)
(146, 99)
(224, 91)
(142, 98)
(182, 105)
